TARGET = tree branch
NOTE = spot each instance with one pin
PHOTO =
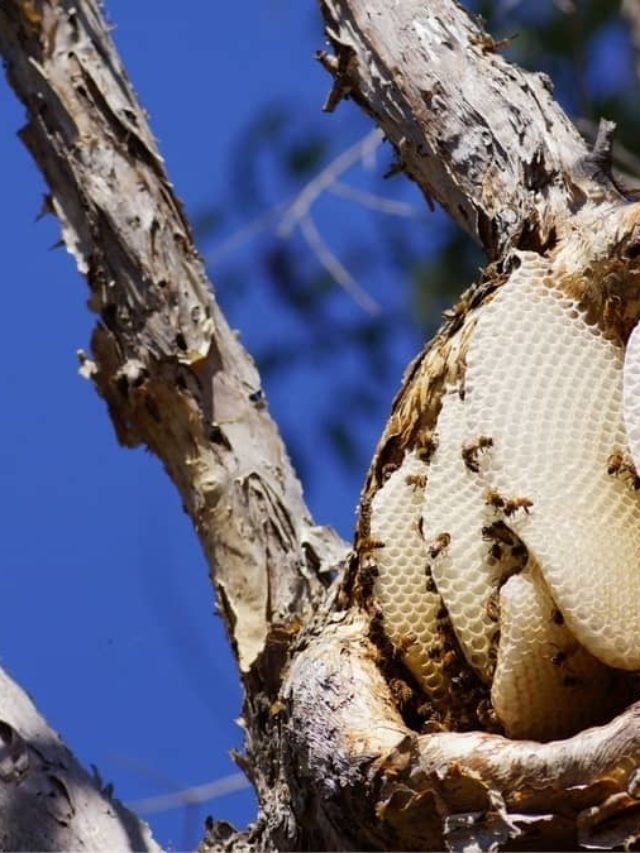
(478, 134)
(48, 802)
(174, 376)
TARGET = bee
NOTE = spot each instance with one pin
(387, 470)
(499, 532)
(365, 515)
(495, 551)
(450, 660)
(494, 498)
(368, 576)
(370, 544)
(401, 691)
(487, 717)
(430, 585)
(493, 606)
(425, 444)
(462, 682)
(442, 613)
(514, 504)
(559, 657)
(406, 641)
(519, 551)
(508, 505)
(418, 481)
(471, 449)
(435, 653)
(615, 463)
(618, 464)
(439, 544)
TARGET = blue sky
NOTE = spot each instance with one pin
(110, 623)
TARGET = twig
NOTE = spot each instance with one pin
(373, 201)
(333, 266)
(247, 232)
(191, 796)
(304, 200)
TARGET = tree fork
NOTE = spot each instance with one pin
(334, 763)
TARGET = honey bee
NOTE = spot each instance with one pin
(435, 653)
(514, 504)
(450, 660)
(442, 613)
(519, 551)
(499, 532)
(495, 551)
(365, 515)
(439, 544)
(387, 470)
(487, 717)
(493, 606)
(494, 498)
(430, 585)
(370, 544)
(509, 506)
(462, 682)
(418, 481)
(472, 449)
(425, 444)
(617, 463)
(368, 576)
(562, 654)
(406, 641)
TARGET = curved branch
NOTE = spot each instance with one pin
(377, 784)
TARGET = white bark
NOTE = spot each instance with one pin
(47, 800)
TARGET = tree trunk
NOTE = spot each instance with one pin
(336, 741)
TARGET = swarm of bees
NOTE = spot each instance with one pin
(508, 506)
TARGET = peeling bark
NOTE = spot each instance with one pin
(331, 748)
(480, 136)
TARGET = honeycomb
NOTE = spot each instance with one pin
(538, 456)
(547, 387)
(631, 395)
(465, 576)
(546, 685)
(410, 611)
